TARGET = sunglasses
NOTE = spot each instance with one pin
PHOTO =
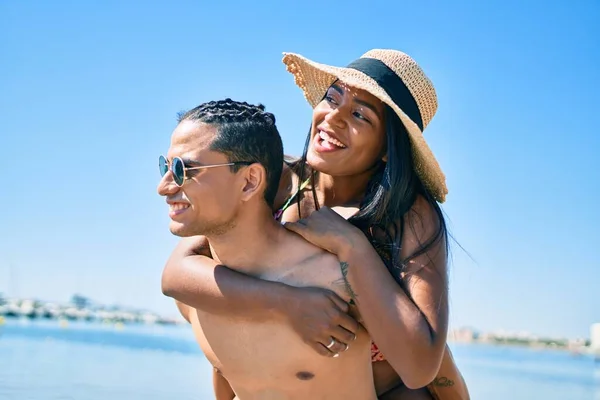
(178, 168)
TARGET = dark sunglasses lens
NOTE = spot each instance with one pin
(178, 170)
(162, 165)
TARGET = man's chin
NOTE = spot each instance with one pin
(181, 230)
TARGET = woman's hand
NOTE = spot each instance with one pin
(328, 230)
(318, 316)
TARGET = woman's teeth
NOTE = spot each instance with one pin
(331, 140)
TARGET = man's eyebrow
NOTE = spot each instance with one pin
(188, 162)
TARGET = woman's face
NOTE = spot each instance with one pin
(348, 132)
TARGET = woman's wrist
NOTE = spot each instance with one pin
(351, 244)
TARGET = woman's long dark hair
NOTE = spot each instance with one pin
(389, 196)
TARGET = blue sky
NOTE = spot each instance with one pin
(89, 95)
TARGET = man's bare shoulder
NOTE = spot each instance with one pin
(333, 272)
(329, 267)
(313, 266)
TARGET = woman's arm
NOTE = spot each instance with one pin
(410, 333)
(193, 278)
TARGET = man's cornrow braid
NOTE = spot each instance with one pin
(229, 111)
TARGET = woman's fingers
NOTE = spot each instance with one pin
(334, 346)
(322, 350)
(339, 302)
(343, 336)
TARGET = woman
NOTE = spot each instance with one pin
(366, 156)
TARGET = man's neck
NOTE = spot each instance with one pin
(243, 248)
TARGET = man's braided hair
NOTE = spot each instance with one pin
(245, 132)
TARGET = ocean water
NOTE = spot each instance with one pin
(44, 361)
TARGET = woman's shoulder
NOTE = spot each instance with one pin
(422, 227)
(422, 218)
(421, 215)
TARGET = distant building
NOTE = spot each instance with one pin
(462, 335)
(80, 301)
(595, 337)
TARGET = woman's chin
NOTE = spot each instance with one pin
(318, 163)
(327, 165)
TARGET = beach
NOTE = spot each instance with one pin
(90, 361)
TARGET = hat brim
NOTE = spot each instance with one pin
(315, 79)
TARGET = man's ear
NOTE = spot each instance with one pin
(254, 181)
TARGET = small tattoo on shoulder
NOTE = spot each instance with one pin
(442, 381)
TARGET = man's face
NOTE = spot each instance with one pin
(207, 202)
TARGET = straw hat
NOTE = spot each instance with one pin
(395, 79)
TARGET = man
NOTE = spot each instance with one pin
(220, 178)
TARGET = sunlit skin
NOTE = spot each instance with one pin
(354, 119)
(347, 143)
(261, 359)
(191, 210)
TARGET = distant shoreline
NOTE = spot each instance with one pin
(575, 346)
(78, 309)
(66, 324)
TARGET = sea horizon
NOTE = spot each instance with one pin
(88, 360)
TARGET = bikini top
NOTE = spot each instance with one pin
(277, 214)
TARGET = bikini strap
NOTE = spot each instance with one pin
(289, 201)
